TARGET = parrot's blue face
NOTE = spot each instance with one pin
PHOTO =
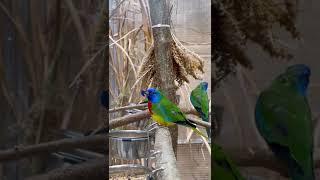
(204, 85)
(152, 94)
(301, 74)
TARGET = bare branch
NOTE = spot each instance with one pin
(95, 169)
(127, 107)
(200, 122)
(263, 158)
(52, 146)
(121, 121)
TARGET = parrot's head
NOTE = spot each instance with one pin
(204, 86)
(297, 76)
(152, 94)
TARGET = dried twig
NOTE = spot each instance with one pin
(52, 146)
(95, 169)
(127, 107)
(77, 22)
(86, 65)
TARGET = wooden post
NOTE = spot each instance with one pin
(165, 139)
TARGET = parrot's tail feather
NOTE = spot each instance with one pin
(296, 172)
(196, 130)
(208, 132)
(296, 175)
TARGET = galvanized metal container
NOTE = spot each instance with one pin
(129, 144)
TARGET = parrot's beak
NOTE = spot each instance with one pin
(144, 93)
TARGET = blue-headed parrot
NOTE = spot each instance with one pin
(165, 112)
(200, 101)
(283, 118)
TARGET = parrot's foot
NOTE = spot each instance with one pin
(152, 127)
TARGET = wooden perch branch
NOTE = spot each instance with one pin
(263, 158)
(95, 169)
(121, 121)
(52, 146)
(200, 122)
(127, 107)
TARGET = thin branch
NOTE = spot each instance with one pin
(77, 22)
(95, 169)
(133, 30)
(114, 11)
(17, 24)
(263, 158)
(86, 65)
(199, 122)
(127, 107)
(121, 121)
(126, 54)
(243, 158)
(53, 146)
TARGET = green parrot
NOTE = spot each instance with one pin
(165, 112)
(222, 167)
(283, 119)
(200, 101)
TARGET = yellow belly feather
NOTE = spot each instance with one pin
(160, 120)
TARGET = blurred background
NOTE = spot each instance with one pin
(237, 95)
(52, 70)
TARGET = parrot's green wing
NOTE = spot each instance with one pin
(222, 166)
(199, 99)
(283, 118)
(167, 111)
(170, 112)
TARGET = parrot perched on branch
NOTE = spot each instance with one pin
(200, 101)
(223, 167)
(165, 112)
(283, 119)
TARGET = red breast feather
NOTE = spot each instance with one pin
(150, 107)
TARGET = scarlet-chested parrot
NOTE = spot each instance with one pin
(283, 119)
(223, 168)
(165, 112)
(200, 101)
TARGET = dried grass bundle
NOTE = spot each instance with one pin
(185, 63)
(235, 23)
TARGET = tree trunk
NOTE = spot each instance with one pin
(164, 80)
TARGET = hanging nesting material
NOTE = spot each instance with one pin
(185, 63)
